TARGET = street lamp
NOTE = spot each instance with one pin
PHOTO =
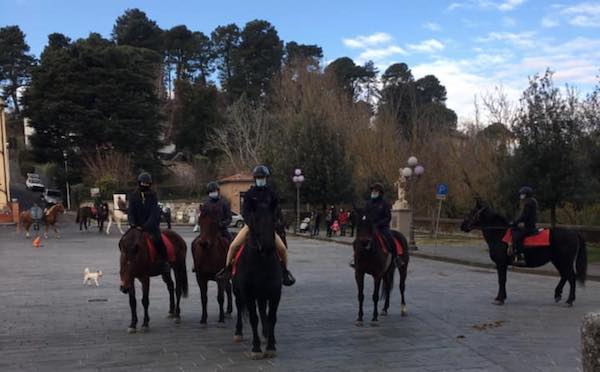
(412, 173)
(298, 178)
(67, 180)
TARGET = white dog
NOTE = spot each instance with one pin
(89, 276)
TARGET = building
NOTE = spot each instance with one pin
(234, 187)
(5, 200)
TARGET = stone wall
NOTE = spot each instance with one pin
(182, 211)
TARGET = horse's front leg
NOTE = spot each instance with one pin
(145, 301)
(360, 283)
(229, 298)
(132, 306)
(256, 350)
(45, 231)
(239, 325)
(559, 288)
(203, 284)
(108, 227)
(262, 312)
(221, 299)
(272, 320)
(501, 297)
(376, 286)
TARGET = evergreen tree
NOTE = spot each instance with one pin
(15, 64)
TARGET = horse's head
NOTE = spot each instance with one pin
(481, 216)
(365, 229)
(130, 245)
(262, 231)
(209, 227)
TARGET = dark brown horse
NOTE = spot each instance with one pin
(567, 251)
(50, 218)
(86, 213)
(371, 257)
(210, 252)
(136, 262)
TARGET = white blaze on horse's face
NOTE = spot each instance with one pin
(364, 218)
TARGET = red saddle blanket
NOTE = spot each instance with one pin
(383, 245)
(168, 244)
(541, 239)
(237, 259)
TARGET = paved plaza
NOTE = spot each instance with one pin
(52, 322)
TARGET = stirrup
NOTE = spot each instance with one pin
(288, 279)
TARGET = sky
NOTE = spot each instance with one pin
(472, 46)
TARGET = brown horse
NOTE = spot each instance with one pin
(49, 218)
(370, 257)
(86, 213)
(210, 251)
(136, 262)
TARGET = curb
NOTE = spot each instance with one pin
(458, 261)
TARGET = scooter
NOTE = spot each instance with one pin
(304, 225)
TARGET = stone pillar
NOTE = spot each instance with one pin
(590, 342)
(401, 221)
(15, 210)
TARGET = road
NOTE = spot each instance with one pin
(51, 322)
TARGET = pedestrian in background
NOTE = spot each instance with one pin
(317, 223)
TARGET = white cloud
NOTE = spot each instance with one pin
(510, 5)
(525, 39)
(549, 22)
(586, 14)
(367, 41)
(509, 22)
(380, 53)
(432, 26)
(427, 46)
(503, 6)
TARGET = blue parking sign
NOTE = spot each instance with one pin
(441, 191)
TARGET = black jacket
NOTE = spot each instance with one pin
(528, 214)
(144, 210)
(220, 209)
(260, 198)
(379, 211)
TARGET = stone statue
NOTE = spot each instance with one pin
(401, 203)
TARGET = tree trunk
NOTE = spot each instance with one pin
(16, 103)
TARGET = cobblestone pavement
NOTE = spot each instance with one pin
(51, 322)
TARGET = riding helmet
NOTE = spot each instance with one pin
(212, 186)
(261, 171)
(526, 190)
(144, 177)
(377, 186)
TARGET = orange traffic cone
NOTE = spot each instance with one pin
(37, 242)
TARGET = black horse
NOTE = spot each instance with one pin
(567, 251)
(371, 257)
(257, 282)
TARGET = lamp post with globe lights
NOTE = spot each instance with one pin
(412, 172)
(298, 178)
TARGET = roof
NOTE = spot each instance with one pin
(238, 177)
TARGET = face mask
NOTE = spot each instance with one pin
(523, 196)
(144, 187)
(213, 195)
(374, 195)
(261, 182)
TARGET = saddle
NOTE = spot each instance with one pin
(168, 244)
(397, 244)
(541, 239)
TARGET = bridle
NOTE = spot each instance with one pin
(476, 218)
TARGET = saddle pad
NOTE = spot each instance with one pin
(168, 244)
(397, 243)
(541, 239)
(237, 259)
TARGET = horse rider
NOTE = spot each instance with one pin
(528, 218)
(260, 197)
(144, 214)
(378, 210)
(218, 205)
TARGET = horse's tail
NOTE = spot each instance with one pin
(581, 261)
(181, 271)
(386, 289)
(77, 219)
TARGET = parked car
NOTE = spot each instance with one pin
(52, 196)
(236, 220)
(34, 183)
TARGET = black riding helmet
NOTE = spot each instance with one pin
(144, 178)
(261, 171)
(377, 187)
(526, 190)
(212, 186)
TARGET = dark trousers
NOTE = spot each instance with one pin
(389, 239)
(518, 235)
(329, 231)
(316, 230)
(343, 230)
(158, 244)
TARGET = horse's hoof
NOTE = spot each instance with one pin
(403, 311)
(374, 323)
(359, 323)
(170, 316)
(131, 330)
(383, 313)
(498, 302)
(177, 320)
(221, 324)
(569, 304)
(228, 314)
(557, 299)
(256, 356)
(269, 354)
(145, 329)
(203, 324)
(238, 338)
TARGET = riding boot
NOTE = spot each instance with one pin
(224, 273)
(287, 278)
